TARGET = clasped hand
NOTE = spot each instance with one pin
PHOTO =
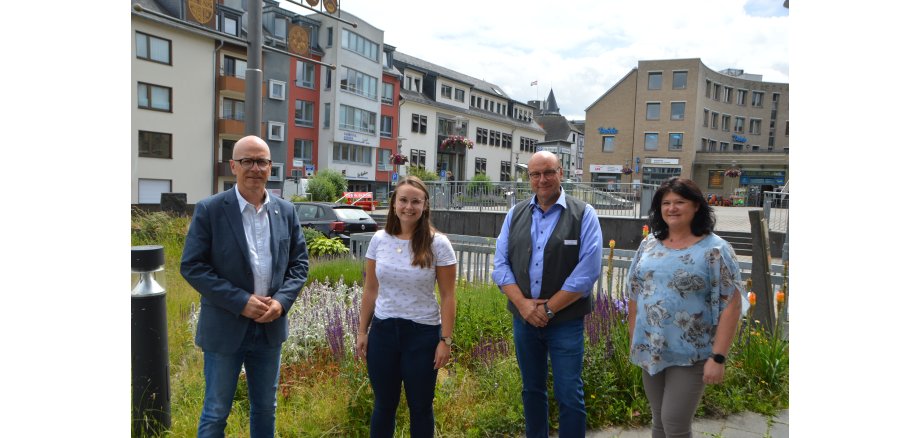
(533, 312)
(262, 309)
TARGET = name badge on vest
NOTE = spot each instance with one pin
(570, 242)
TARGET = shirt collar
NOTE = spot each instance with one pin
(243, 202)
(560, 202)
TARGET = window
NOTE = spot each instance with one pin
(419, 123)
(652, 111)
(742, 97)
(494, 138)
(357, 119)
(232, 109)
(715, 120)
(417, 158)
(154, 144)
(715, 179)
(277, 172)
(152, 48)
(726, 121)
(459, 95)
(739, 125)
(154, 97)
(680, 80)
(723, 146)
(229, 24)
(675, 141)
(383, 159)
(303, 150)
(328, 78)
(755, 126)
(351, 153)
(482, 136)
(234, 67)
(705, 118)
(149, 190)
(327, 114)
(757, 99)
(303, 113)
(716, 89)
(226, 149)
(703, 143)
(360, 45)
(305, 73)
(480, 166)
(506, 171)
(280, 28)
(651, 141)
(446, 91)
(737, 147)
(727, 96)
(708, 86)
(677, 110)
(276, 131)
(506, 141)
(276, 89)
(359, 83)
(387, 97)
(712, 145)
(787, 127)
(528, 144)
(386, 126)
(607, 143)
(755, 148)
(329, 34)
(654, 80)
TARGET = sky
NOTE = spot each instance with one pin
(579, 48)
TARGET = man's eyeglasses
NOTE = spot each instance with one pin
(549, 173)
(248, 162)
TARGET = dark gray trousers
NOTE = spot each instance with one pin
(673, 394)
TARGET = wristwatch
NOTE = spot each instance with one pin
(549, 313)
(447, 340)
(718, 358)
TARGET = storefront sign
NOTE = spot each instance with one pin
(739, 138)
(355, 138)
(606, 168)
(673, 161)
(607, 131)
(763, 178)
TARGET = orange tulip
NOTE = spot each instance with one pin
(645, 231)
(752, 298)
(780, 297)
(612, 243)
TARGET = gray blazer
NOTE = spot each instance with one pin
(215, 261)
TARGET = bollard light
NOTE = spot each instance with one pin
(150, 410)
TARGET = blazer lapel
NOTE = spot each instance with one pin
(232, 210)
(275, 223)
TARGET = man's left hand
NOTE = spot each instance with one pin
(273, 312)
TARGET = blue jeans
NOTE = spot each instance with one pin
(400, 351)
(221, 375)
(564, 344)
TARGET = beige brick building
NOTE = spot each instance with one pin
(680, 118)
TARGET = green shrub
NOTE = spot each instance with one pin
(322, 246)
(423, 174)
(327, 186)
(311, 233)
(481, 184)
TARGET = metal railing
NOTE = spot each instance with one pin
(614, 199)
(476, 256)
(776, 210)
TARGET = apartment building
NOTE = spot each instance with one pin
(438, 102)
(680, 118)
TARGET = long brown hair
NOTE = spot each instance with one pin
(423, 236)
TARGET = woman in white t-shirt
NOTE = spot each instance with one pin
(404, 334)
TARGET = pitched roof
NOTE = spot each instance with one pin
(477, 84)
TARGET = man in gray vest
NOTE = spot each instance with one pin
(549, 306)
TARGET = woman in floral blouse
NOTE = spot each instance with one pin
(684, 305)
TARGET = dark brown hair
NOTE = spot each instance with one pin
(423, 236)
(704, 221)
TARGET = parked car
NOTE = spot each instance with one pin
(335, 220)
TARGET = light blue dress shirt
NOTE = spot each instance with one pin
(542, 224)
(258, 238)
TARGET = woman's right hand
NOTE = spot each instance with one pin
(361, 346)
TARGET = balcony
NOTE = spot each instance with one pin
(231, 86)
(231, 126)
(223, 169)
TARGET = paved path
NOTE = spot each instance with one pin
(745, 425)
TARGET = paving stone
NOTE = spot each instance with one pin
(782, 417)
(729, 432)
(779, 430)
(750, 422)
(709, 426)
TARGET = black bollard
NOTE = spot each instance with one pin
(150, 412)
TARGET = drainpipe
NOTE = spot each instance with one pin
(216, 140)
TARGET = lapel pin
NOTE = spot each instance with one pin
(276, 211)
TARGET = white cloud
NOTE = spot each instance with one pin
(581, 48)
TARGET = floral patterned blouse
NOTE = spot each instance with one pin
(680, 295)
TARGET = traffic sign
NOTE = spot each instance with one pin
(395, 176)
